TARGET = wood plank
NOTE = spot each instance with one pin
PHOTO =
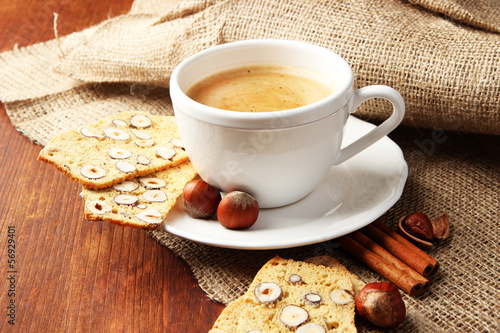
(73, 275)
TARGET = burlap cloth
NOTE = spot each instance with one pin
(442, 55)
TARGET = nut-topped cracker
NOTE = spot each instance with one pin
(141, 203)
(117, 148)
(293, 296)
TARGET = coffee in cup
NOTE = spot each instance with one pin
(261, 88)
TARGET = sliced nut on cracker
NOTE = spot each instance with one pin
(86, 132)
(312, 298)
(140, 134)
(152, 182)
(98, 207)
(151, 216)
(140, 121)
(126, 186)
(116, 134)
(142, 159)
(311, 328)
(295, 278)
(119, 153)
(145, 143)
(154, 196)
(125, 166)
(165, 152)
(292, 316)
(267, 292)
(119, 123)
(342, 296)
(177, 143)
(126, 199)
(91, 171)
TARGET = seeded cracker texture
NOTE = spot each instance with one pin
(130, 215)
(145, 143)
(248, 314)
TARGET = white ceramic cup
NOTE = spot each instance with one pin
(278, 157)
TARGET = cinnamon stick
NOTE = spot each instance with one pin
(399, 250)
(382, 267)
(385, 255)
(432, 264)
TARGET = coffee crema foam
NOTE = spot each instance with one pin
(261, 88)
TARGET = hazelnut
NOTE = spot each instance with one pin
(311, 328)
(200, 199)
(295, 279)
(267, 292)
(342, 296)
(292, 316)
(312, 298)
(418, 225)
(422, 231)
(380, 303)
(91, 171)
(238, 210)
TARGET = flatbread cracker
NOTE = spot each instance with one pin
(117, 148)
(141, 203)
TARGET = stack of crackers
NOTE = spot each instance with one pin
(316, 295)
(132, 167)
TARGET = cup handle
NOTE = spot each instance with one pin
(361, 95)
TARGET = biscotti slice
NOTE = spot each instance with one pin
(299, 294)
(328, 261)
(117, 148)
(293, 296)
(228, 318)
(140, 203)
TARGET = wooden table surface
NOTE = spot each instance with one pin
(69, 275)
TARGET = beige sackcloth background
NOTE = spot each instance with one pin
(441, 55)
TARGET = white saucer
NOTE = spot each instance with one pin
(352, 195)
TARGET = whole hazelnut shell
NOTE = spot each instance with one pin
(200, 199)
(381, 304)
(238, 210)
